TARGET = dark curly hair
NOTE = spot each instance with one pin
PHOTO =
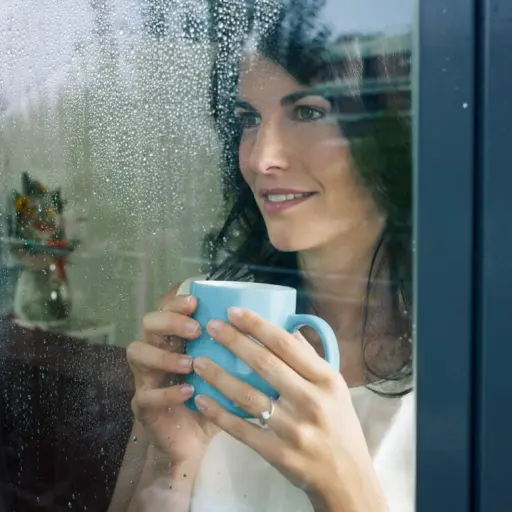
(370, 94)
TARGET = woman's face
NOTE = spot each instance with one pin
(296, 161)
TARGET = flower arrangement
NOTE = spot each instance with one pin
(37, 214)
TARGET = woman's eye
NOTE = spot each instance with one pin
(247, 120)
(305, 113)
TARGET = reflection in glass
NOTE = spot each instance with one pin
(250, 141)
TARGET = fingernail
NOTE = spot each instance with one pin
(235, 313)
(214, 326)
(201, 403)
(185, 361)
(192, 327)
(187, 389)
(189, 299)
(200, 363)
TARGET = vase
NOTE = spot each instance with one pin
(9, 276)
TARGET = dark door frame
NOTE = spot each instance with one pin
(444, 108)
(492, 469)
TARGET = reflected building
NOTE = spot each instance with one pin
(385, 62)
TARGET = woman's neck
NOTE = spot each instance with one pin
(337, 276)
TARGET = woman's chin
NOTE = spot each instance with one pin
(285, 242)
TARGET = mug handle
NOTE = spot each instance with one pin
(332, 353)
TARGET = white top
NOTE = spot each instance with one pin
(234, 478)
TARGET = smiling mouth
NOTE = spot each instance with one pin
(275, 203)
(281, 198)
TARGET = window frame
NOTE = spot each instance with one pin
(444, 184)
(493, 297)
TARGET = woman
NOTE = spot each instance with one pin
(320, 201)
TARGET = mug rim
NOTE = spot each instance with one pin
(244, 285)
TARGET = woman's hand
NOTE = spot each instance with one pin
(315, 438)
(158, 365)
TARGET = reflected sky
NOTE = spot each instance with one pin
(385, 16)
(38, 38)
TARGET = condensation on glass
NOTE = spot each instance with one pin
(113, 187)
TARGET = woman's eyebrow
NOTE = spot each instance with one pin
(292, 98)
(286, 101)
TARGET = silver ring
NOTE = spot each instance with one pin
(265, 416)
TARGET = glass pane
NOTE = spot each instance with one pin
(152, 150)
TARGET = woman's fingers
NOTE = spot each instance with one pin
(150, 364)
(171, 319)
(157, 400)
(148, 357)
(301, 357)
(263, 441)
(162, 351)
(241, 393)
(263, 361)
(168, 330)
(168, 323)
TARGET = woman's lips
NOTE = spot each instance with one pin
(277, 206)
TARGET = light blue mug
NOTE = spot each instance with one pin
(274, 303)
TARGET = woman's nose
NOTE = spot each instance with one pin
(270, 150)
